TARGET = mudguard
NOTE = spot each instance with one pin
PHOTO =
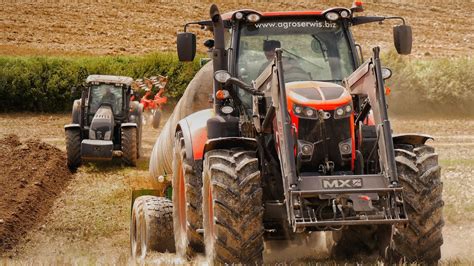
(230, 142)
(194, 128)
(72, 126)
(411, 138)
(129, 125)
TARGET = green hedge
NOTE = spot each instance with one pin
(436, 86)
(431, 87)
(44, 83)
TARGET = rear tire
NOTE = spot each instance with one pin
(232, 207)
(420, 175)
(73, 148)
(187, 215)
(151, 226)
(129, 146)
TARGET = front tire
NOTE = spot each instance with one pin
(420, 175)
(232, 207)
(187, 215)
(151, 226)
(73, 148)
(129, 146)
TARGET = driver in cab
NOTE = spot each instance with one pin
(108, 97)
(291, 67)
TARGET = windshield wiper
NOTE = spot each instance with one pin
(324, 51)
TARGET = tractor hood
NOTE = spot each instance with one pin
(102, 124)
(320, 95)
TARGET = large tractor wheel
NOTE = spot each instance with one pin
(129, 146)
(232, 207)
(151, 227)
(420, 175)
(73, 148)
(187, 214)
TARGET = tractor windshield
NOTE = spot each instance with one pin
(312, 49)
(106, 94)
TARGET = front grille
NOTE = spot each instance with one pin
(336, 131)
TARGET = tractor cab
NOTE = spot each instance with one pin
(110, 91)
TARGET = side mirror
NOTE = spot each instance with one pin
(402, 38)
(186, 46)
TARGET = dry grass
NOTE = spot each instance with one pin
(89, 223)
(134, 27)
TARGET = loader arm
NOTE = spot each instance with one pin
(367, 80)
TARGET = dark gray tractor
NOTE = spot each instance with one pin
(105, 122)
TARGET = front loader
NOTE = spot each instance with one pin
(298, 140)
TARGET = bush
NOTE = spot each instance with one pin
(436, 86)
(44, 83)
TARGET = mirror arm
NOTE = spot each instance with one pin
(237, 82)
(400, 18)
(201, 23)
(367, 19)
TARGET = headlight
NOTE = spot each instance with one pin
(343, 112)
(107, 135)
(92, 134)
(239, 15)
(305, 112)
(222, 76)
(309, 112)
(253, 17)
(332, 16)
(227, 109)
(298, 110)
(345, 14)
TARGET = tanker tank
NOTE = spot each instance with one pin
(195, 98)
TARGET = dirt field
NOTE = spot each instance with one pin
(440, 29)
(89, 220)
(31, 177)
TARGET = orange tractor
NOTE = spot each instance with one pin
(298, 141)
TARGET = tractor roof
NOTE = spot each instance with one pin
(229, 15)
(110, 79)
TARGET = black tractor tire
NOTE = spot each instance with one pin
(76, 112)
(129, 146)
(151, 227)
(420, 175)
(362, 242)
(156, 119)
(140, 137)
(187, 212)
(135, 116)
(232, 207)
(73, 148)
